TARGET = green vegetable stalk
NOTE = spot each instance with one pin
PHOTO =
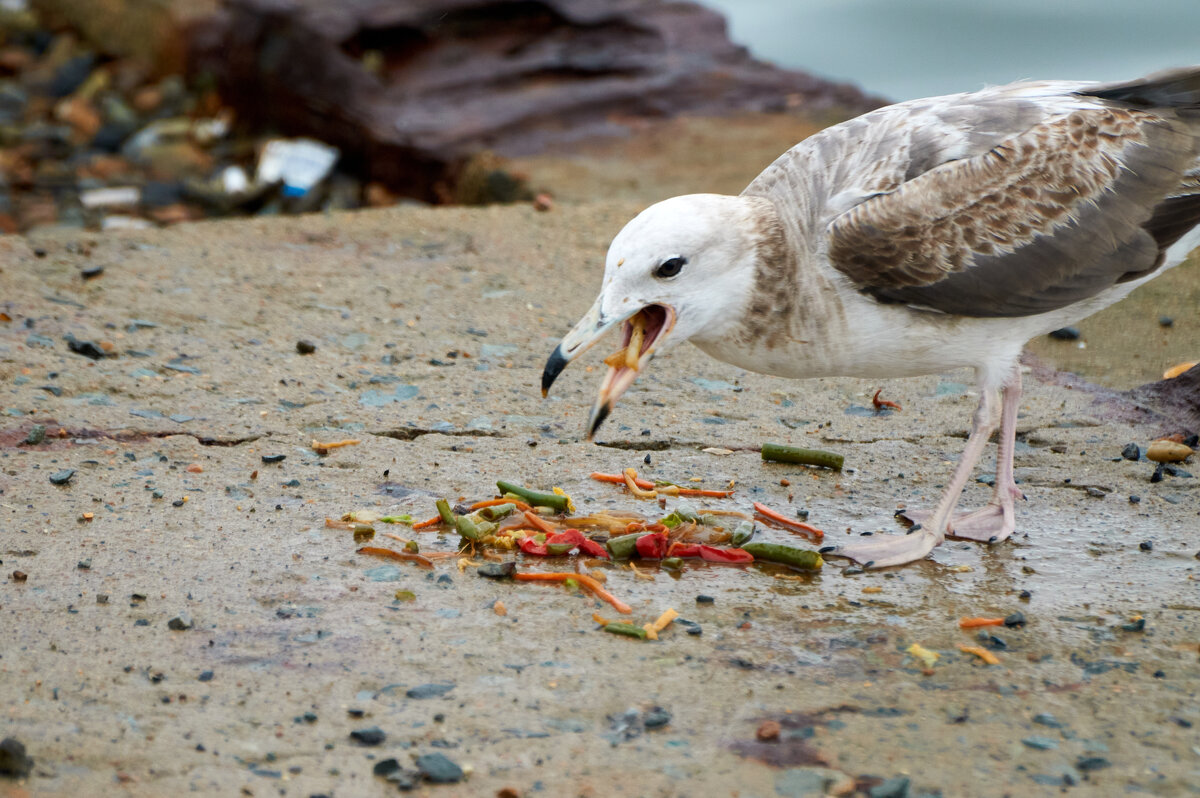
(778, 453)
(443, 508)
(496, 512)
(627, 629)
(534, 497)
(623, 547)
(804, 559)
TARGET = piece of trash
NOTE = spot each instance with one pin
(116, 197)
(300, 164)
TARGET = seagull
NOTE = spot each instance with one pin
(921, 237)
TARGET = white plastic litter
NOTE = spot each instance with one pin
(114, 197)
(299, 163)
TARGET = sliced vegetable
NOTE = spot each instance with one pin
(975, 623)
(779, 453)
(392, 554)
(789, 523)
(710, 553)
(662, 487)
(652, 546)
(494, 512)
(536, 522)
(631, 483)
(535, 498)
(982, 653)
(665, 619)
(742, 533)
(443, 508)
(522, 506)
(583, 579)
(804, 559)
(925, 655)
(624, 546)
(437, 519)
(627, 629)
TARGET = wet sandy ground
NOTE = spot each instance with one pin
(293, 632)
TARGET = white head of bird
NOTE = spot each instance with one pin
(681, 269)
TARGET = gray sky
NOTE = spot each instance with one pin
(913, 48)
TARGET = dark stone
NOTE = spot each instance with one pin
(507, 76)
(1090, 763)
(1135, 626)
(439, 769)
(386, 767)
(895, 787)
(71, 75)
(1025, 595)
(497, 570)
(37, 434)
(1176, 471)
(1046, 719)
(91, 272)
(1016, 619)
(180, 623)
(656, 718)
(13, 759)
(432, 690)
(306, 347)
(1135, 499)
(1146, 545)
(695, 630)
(370, 736)
(1065, 334)
(1157, 476)
(87, 348)
(1131, 452)
(1166, 321)
(703, 599)
(206, 676)
(273, 458)
(62, 477)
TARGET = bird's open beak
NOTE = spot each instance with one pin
(642, 330)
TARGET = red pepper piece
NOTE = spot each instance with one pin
(716, 554)
(684, 550)
(652, 546)
(566, 536)
(593, 549)
(530, 545)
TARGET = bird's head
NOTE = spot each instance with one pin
(681, 269)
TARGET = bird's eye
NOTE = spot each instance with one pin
(670, 267)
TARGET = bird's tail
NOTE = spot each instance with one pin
(1174, 88)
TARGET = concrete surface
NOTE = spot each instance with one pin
(288, 619)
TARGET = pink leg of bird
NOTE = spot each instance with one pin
(896, 549)
(996, 520)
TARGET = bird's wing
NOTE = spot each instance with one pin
(1008, 202)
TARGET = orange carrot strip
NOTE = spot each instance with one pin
(538, 523)
(982, 653)
(631, 480)
(583, 579)
(619, 479)
(712, 494)
(391, 554)
(522, 506)
(790, 523)
(974, 623)
(428, 522)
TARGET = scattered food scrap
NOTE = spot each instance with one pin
(975, 623)
(779, 453)
(929, 658)
(880, 404)
(985, 655)
(323, 448)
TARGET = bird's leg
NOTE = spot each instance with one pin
(996, 521)
(897, 550)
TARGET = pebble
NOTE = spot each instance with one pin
(497, 570)
(1090, 763)
(13, 759)
(180, 622)
(37, 434)
(1166, 321)
(1016, 619)
(432, 690)
(369, 736)
(273, 458)
(306, 347)
(895, 787)
(656, 718)
(1146, 545)
(1135, 499)
(1135, 626)
(1092, 490)
(62, 477)
(1046, 719)
(439, 769)
(1041, 743)
(703, 599)
(1131, 452)
(205, 676)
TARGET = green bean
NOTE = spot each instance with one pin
(496, 512)
(672, 563)
(443, 508)
(534, 497)
(623, 547)
(804, 559)
(627, 629)
(778, 453)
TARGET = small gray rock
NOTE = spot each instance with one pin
(432, 690)
(13, 759)
(62, 477)
(370, 736)
(439, 769)
(180, 623)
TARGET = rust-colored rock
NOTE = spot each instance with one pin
(411, 90)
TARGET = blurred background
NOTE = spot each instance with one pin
(119, 114)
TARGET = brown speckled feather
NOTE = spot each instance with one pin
(1007, 202)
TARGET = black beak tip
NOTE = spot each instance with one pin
(598, 417)
(554, 366)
